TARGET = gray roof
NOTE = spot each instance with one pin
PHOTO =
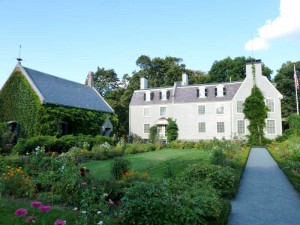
(58, 91)
(186, 94)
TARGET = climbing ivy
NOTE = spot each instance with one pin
(256, 112)
(18, 102)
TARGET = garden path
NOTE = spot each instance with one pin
(265, 196)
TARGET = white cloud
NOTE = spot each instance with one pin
(285, 25)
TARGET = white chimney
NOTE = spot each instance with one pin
(90, 79)
(185, 79)
(143, 83)
(256, 65)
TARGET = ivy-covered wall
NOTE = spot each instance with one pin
(80, 121)
(18, 102)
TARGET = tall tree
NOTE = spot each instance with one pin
(256, 112)
(159, 71)
(285, 85)
(232, 69)
(105, 81)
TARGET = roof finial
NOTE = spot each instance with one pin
(19, 59)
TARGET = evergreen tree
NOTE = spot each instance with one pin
(172, 130)
(256, 112)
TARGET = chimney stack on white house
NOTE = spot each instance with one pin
(143, 83)
(256, 64)
(185, 79)
(90, 79)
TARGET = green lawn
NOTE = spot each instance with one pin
(154, 163)
(9, 206)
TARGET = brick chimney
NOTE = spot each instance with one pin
(90, 79)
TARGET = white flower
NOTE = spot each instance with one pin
(100, 223)
(84, 212)
(75, 208)
(99, 212)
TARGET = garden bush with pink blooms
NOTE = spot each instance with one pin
(197, 195)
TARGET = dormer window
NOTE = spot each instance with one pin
(220, 90)
(164, 95)
(148, 96)
(202, 92)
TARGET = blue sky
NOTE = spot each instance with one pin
(70, 38)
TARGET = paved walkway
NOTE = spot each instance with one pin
(265, 196)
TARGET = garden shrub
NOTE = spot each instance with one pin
(221, 178)
(171, 130)
(119, 166)
(7, 139)
(219, 158)
(173, 202)
(63, 144)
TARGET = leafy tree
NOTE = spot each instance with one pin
(197, 77)
(105, 81)
(256, 112)
(294, 123)
(286, 86)
(159, 71)
(232, 69)
(172, 130)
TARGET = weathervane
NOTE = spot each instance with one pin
(19, 59)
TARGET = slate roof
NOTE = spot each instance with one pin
(186, 94)
(59, 91)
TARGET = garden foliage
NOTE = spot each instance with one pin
(171, 130)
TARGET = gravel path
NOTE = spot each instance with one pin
(265, 196)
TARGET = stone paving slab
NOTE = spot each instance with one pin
(265, 196)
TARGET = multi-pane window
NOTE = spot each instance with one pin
(270, 104)
(163, 111)
(146, 112)
(241, 126)
(146, 128)
(201, 109)
(239, 106)
(220, 109)
(220, 127)
(270, 126)
(201, 127)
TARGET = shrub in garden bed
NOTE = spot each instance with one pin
(63, 144)
(221, 178)
(173, 202)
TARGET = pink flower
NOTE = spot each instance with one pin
(21, 212)
(110, 202)
(36, 204)
(83, 183)
(60, 222)
(45, 208)
(30, 219)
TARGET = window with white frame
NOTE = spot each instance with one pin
(241, 126)
(201, 127)
(147, 112)
(220, 109)
(220, 127)
(202, 92)
(148, 96)
(164, 94)
(201, 109)
(146, 128)
(220, 91)
(270, 127)
(239, 106)
(163, 111)
(270, 104)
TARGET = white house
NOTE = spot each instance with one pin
(204, 111)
